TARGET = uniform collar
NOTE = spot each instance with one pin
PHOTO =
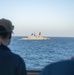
(3, 47)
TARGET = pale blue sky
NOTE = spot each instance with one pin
(51, 17)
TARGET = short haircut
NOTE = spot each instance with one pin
(3, 33)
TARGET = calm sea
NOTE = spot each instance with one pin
(37, 54)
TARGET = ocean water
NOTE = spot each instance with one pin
(37, 54)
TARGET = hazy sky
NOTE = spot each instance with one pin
(51, 17)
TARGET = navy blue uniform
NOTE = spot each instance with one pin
(65, 67)
(10, 63)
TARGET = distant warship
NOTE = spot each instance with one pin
(36, 37)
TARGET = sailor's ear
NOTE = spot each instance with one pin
(9, 36)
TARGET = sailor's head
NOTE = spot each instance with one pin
(6, 29)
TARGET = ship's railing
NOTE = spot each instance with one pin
(33, 72)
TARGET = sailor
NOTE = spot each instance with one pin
(10, 63)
